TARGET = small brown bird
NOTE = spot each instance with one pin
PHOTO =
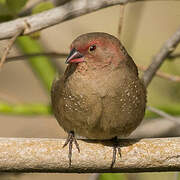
(100, 95)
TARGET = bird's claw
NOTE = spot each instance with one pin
(70, 139)
(115, 149)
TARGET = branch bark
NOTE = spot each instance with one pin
(54, 16)
(47, 155)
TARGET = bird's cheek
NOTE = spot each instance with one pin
(88, 57)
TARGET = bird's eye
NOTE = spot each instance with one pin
(92, 48)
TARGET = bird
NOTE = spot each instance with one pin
(100, 95)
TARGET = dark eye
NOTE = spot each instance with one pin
(92, 48)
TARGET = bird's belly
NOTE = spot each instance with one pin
(112, 121)
(100, 115)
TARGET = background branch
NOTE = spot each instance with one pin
(47, 155)
(11, 42)
(163, 114)
(148, 128)
(168, 47)
(56, 15)
(121, 18)
(163, 75)
(174, 56)
(50, 54)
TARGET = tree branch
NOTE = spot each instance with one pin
(174, 56)
(11, 42)
(148, 128)
(164, 52)
(47, 155)
(163, 114)
(54, 54)
(56, 15)
(50, 54)
(121, 18)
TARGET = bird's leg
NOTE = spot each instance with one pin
(115, 149)
(70, 139)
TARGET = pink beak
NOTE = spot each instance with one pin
(74, 57)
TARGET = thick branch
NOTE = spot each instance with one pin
(54, 16)
(164, 52)
(47, 155)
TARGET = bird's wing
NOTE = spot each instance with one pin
(56, 89)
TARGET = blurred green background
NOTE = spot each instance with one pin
(24, 92)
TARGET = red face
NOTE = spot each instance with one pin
(96, 49)
(79, 52)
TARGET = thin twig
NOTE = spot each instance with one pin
(148, 128)
(163, 75)
(174, 56)
(51, 54)
(121, 17)
(168, 47)
(163, 114)
(11, 42)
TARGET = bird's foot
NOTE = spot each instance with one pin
(116, 148)
(70, 139)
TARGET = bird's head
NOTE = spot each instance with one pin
(97, 49)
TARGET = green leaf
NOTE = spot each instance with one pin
(43, 6)
(16, 5)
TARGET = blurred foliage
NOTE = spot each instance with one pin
(15, 6)
(115, 176)
(172, 109)
(10, 8)
(43, 6)
(24, 109)
(2, 1)
(41, 65)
